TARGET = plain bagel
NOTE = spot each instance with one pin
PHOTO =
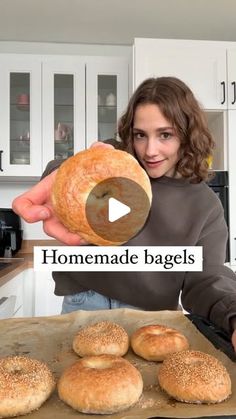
(101, 338)
(80, 174)
(155, 342)
(25, 384)
(195, 377)
(100, 384)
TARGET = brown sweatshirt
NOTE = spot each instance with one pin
(182, 214)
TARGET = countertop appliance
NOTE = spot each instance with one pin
(10, 232)
(220, 185)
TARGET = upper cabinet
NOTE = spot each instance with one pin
(201, 64)
(54, 106)
(231, 61)
(63, 107)
(20, 115)
(106, 97)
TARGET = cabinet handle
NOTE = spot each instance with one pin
(1, 169)
(234, 86)
(223, 84)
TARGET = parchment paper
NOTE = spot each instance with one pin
(50, 339)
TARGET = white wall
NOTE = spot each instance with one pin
(8, 191)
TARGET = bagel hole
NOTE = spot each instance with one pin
(103, 195)
(98, 364)
(193, 361)
(14, 369)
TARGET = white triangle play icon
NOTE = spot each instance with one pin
(116, 210)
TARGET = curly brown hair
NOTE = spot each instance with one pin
(179, 106)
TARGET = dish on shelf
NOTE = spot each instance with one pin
(23, 99)
(21, 160)
(62, 133)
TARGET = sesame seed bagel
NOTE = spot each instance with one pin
(195, 377)
(100, 384)
(25, 384)
(155, 342)
(101, 338)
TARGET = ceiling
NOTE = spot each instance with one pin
(116, 21)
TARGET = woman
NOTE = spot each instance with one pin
(165, 129)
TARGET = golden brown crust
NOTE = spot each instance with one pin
(195, 377)
(79, 174)
(155, 342)
(25, 384)
(100, 384)
(101, 338)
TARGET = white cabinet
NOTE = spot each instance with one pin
(20, 115)
(106, 96)
(54, 106)
(200, 64)
(46, 302)
(232, 183)
(231, 61)
(11, 297)
(17, 296)
(63, 107)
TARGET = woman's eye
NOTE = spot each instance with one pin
(138, 135)
(166, 135)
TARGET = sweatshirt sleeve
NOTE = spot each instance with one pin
(212, 292)
(51, 166)
(55, 164)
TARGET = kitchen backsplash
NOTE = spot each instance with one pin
(8, 191)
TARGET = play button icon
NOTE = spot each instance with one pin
(116, 210)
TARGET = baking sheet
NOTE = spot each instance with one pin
(50, 339)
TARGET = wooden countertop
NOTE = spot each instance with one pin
(23, 259)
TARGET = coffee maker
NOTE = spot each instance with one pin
(10, 232)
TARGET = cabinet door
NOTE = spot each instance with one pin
(200, 64)
(232, 184)
(20, 115)
(231, 62)
(63, 107)
(106, 96)
(46, 302)
(11, 297)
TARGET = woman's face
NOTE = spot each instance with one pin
(155, 141)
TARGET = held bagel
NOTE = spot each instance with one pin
(195, 377)
(101, 338)
(74, 185)
(155, 342)
(25, 384)
(100, 384)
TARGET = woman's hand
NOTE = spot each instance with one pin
(35, 205)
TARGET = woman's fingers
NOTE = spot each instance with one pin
(101, 144)
(32, 205)
(54, 228)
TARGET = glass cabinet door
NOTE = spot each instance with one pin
(63, 108)
(107, 106)
(20, 116)
(107, 96)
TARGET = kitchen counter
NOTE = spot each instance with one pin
(23, 259)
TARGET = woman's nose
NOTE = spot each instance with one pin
(152, 148)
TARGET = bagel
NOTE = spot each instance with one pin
(83, 209)
(155, 342)
(100, 384)
(25, 384)
(195, 377)
(101, 338)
